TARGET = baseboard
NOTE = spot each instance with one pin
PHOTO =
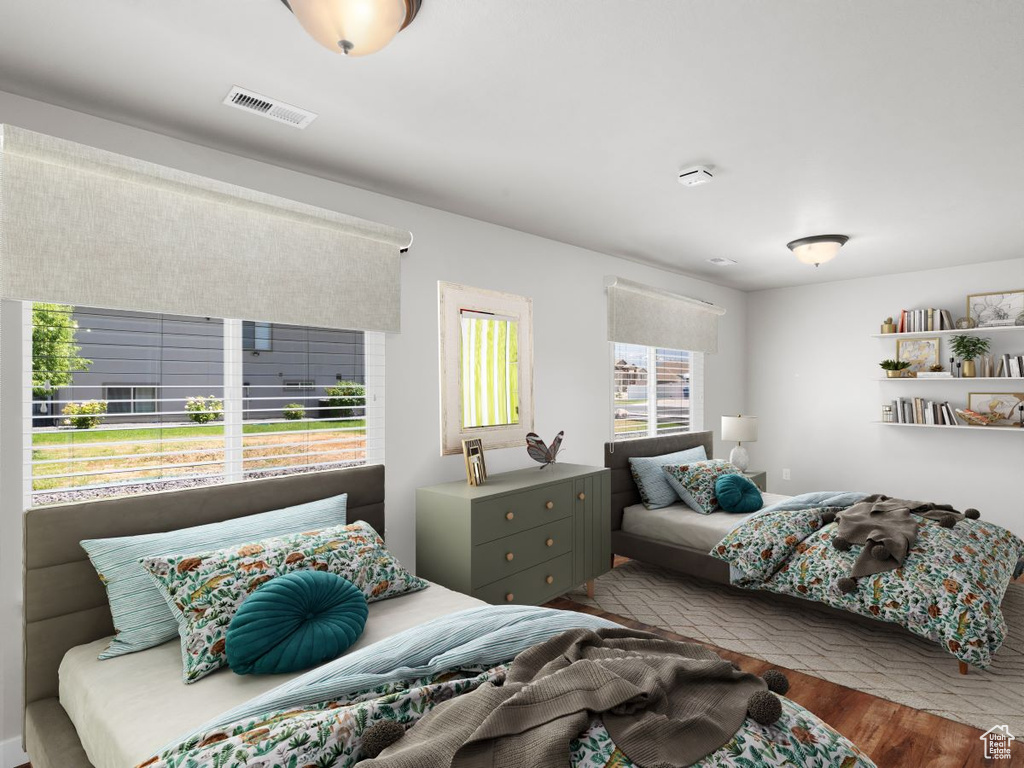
(11, 754)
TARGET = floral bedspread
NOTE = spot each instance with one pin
(329, 735)
(948, 591)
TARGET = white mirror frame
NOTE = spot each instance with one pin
(451, 300)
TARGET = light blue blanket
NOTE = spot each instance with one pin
(487, 636)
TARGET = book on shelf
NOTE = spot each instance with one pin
(924, 320)
(1011, 365)
(934, 375)
(920, 411)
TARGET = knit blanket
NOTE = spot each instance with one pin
(886, 528)
(664, 703)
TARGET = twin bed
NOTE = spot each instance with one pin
(125, 711)
(948, 589)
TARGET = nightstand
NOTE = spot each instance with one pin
(758, 478)
(523, 537)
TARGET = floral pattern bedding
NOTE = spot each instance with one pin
(329, 735)
(948, 591)
(206, 590)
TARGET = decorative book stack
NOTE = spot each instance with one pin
(921, 320)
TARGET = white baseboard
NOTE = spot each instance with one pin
(11, 755)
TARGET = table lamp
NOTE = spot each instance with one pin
(739, 429)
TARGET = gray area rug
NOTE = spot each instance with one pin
(883, 661)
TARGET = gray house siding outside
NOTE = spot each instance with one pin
(184, 357)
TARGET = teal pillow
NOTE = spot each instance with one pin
(737, 493)
(295, 622)
(142, 618)
(655, 491)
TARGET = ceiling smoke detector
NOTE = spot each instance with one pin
(272, 109)
(721, 261)
(695, 176)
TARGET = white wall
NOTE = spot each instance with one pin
(565, 283)
(811, 378)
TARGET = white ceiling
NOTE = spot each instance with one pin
(900, 124)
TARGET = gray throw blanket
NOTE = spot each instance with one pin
(887, 528)
(665, 704)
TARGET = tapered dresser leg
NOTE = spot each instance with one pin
(590, 589)
(963, 667)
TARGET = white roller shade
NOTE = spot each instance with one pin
(640, 314)
(82, 226)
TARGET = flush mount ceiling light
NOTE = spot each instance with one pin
(818, 249)
(353, 27)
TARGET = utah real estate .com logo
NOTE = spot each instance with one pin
(997, 742)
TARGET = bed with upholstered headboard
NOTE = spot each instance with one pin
(66, 605)
(690, 560)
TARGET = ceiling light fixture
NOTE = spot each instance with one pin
(818, 249)
(353, 27)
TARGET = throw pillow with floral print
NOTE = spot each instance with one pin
(695, 482)
(205, 590)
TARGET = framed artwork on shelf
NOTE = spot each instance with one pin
(999, 407)
(922, 354)
(991, 310)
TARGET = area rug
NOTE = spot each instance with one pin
(883, 661)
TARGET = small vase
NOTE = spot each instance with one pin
(968, 370)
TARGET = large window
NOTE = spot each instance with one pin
(127, 402)
(655, 391)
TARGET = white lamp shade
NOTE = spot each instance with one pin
(817, 253)
(351, 27)
(739, 429)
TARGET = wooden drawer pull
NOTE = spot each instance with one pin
(550, 505)
(509, 597)
(582, 496)
(550, 542)
(509, 556)
(509, 515)
(550, 579)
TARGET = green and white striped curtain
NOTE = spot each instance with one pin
(490, 370)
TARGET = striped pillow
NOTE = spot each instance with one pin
(655, 491)
(141, 616)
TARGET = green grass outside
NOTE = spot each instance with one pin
(71, 436)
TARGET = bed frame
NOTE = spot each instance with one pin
(674, 557)
(65, 604)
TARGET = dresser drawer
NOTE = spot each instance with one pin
(533, 586)
(504, 515)
(512, 554)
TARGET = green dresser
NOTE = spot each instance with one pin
(524, 537)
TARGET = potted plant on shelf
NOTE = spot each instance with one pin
(967, 348)
(894, 369)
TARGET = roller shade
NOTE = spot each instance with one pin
(641, 314)
(82, 226)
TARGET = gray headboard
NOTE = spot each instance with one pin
(65, 604)
(617, 455)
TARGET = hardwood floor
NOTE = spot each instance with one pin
(893, 735)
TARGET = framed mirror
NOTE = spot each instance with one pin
(486, 367)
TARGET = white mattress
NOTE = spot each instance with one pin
(127, 708)
(679, 524)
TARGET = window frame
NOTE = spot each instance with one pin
(133, 399)
(267, 338)
(237, 467)
(693, 386)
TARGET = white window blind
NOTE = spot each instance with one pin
(648, 316)
(128, 402)
(174, 242)
(655, 391)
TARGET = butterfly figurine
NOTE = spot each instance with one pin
(539, 451)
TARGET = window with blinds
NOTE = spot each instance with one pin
(655, 391)
(130, 402)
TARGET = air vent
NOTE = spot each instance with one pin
(721, 261)
(272, 109)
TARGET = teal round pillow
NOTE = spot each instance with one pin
(294, 622)
(737, 493)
